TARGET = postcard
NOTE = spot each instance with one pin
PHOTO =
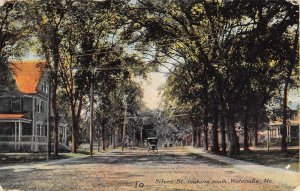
(158, 95)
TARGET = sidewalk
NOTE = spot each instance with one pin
(282, 176)
(34, 165)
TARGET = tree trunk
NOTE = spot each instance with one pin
(74, 132)
(114, 138)
(124, 127)
(246, 138)
(141, 137)
(200, 136)
(74, 137)
(54, 98)
(193, 136)
(56, 120)
(205, 137)
(98, 139)
(284, 119)
(103, 138)
(255, 142)
(205, 128)
(233, 142)
(223, 112)
(205, 120)
(293, 61)
(92, 120)
(214, 135)
(223, 134)
(197, 137)
(49, 110)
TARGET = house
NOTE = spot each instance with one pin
(23, 110)
(275, 127)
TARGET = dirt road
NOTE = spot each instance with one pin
(173, 169)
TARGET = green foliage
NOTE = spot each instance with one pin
(13, 35)
(237, 53)
(233, 57)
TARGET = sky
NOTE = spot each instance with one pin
(150, 88)
(2, 2)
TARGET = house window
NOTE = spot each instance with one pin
(44, 87)
(22, 104)
(8, 104)
(40, 129)
(37, 105)
(42, 105)
(5, 105)
(16, 104)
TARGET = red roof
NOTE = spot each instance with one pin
(27, 74)
(11, 116)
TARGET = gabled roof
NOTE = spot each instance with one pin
(27, 74)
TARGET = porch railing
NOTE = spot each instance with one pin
(38, 139)
(26, 138)
(7, 138)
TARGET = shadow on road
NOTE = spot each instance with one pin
(143, 158)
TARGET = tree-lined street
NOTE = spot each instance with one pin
(71, 75)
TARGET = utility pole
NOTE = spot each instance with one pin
(268, 139)
(49, 117)
(92, 118)
(141, 132)
(134, 137)
(124, 124)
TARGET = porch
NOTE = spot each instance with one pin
(17, 134)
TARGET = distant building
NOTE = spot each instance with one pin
(276, 126)
(23, 110)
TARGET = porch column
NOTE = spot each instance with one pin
(59, 136)
(33, 134)
(289, 133)
(16, 135)
(65, 136)
(20, 131)
(16, 129)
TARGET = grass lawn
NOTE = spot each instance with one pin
(275, 158)
(14, 158)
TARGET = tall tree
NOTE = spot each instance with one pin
(13, 35)
(46, 18)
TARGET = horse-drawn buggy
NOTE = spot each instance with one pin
(152, 144)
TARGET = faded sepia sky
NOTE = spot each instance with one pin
(150, 89)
